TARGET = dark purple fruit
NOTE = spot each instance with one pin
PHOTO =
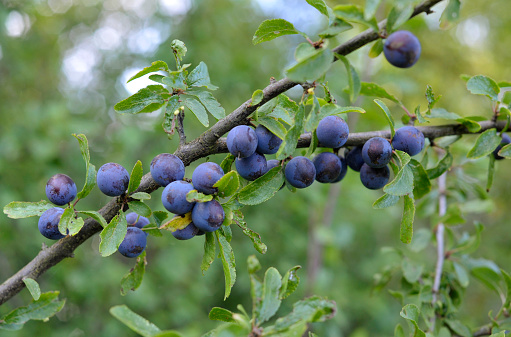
(251, 167)
(205, 176)
(131, 219)
(344, 170)
(134, 242)
(374, 178)
(61, 189)
(332, 132)
(113, 179)
(208, 216)
(173, 197)
(49, 223)
(186, 233)
(267, 142)
(242, 141)
(328, 167)
(402, 49)
(166, 168)
(300, 172)
(377, 152)
(408, 139)
(354, 158)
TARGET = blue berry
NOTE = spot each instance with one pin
(267, 142)
(205, 176)
(173, 197)
(131, 219)
(408, 139)
(61, 189)
(332, 132)
(377, 152)
(208, 216)
(272, 163)
(49, 223)
(251, 167)
(505, 140)
(113, 179)
(344, 170)
(328, 167)
(134, 242)
(186, 233)
(166, 168)
(354, 158)
(300, 172)
(374, 178)
(402, 49)
(242, 141)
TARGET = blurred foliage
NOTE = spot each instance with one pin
(62, 69)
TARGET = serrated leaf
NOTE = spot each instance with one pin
(471, 125)
(209, 101)
(402, 183)
(313, 118)
(375, 51)
(353, 79)
(151, 96)
(177, 222)
(406, 231)
(421, 182)
(68, 224)
(133, 279)
(156, 78)
(222, 315)
(209, 251)
(168, 124)
(257, 97)
(270, 300)
(336, 27)
(320, 5)
(134, 321)
(196, 196)
(288, 146)
(175, 80)
(226, 164)
(411, 313)
(443, 165)
(485, 144)
(263, 188)
(33, 288)
(140, 208)
(155, 66)
(254, 236)
(112, 235)
(271, 29)
(96, 216)
(386, 200)
(45, 307)
(90, 178)
(135, 177)
(274, 126)
(388, 115)
(140, 195)
(505, 151)
(312, 67)
(290, 282)
(228, 262)
(199, 77)
(179, 49)
(483, 85)
(22, 209)
(198, 110)
(355, 13)
(373, 89)
(398, 16)
(312, 309)
(430, 97)
(330, 109)
(228, 184)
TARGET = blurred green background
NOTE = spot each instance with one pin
(64, 64)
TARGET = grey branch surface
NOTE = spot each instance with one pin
(206, 144)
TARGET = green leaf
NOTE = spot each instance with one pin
(399, 331)
(485, 144)
(147, 99)
(453, 215)
(69, 223)
(263, 188)
(90, 178)
(135, 177)
(355, 13)
(451, 13)
(133, 279)
(398, 17)
(209, 101)
(134, 321)
(175, 80)
(155, 66)
(45, 307)
(386, 200)
(320, 5)
(198, 110)
(471, 125)
(443, 165)
(312, 67)
(226, 164)
(199, 77)
(228, 184)
(482, 85)
(228, 262)
(222, 315)
(177, 222)
(406, 231)
(179, 49)
(33, 288)
(313, 118)
(290, 282)
(421, 240)
(458, 328)
(288, 146)
(168, 124)
(270, 300)
(336, 27)
(373, 89)
(507, 280)
(374, 52)
(274, 126)
(430, 96)
(421, 182)
(487, 272)
(113, 234)
(353, 79)
(257, 97)
(311, 309)
(196, 196)
(140, 208)
(22, 209)
(271, 29)
(96, 216)
(209, 251)
(390, 120)
(411, 271)
(370, 8)
(461, 274)
(168, 333)
(254, 236)
(498, 334)
(140, 195)
(411, 313)
(505, 151)
(402, 183)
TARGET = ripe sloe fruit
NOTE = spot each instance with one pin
(402, 49)
(332, 132)
(300, 172)
(205, 176)
(173, 197)
(374, 178)
(131, 219)
(267, 142)
(505, 140)
(113, 179)
(344, 170)
(166, 168)
(242, 141)
(272, 163)
(408, 139)
(134, 242)
(49, 223)
(186, 233)
(377, 152)
(251, 167)
(208, 216)
(328, 167)
(354, 158)
(61, 189)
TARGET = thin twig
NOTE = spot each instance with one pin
(180, 127)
